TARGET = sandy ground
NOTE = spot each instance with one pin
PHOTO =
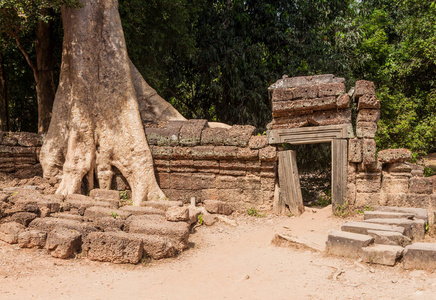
(224, 262)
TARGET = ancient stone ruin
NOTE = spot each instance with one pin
(205, 170)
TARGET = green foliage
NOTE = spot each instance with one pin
(428, 172)
(114, 214)
(255, 213)
(200, 219)
(124, 199)
(341, 210)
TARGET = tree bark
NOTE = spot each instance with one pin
(4, 115)
(96, 123)
(45, 88)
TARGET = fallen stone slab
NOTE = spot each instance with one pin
(32, 239)
(218, 207)
(95, 212)
(284, 240)
(115, 247)
(389, 238)
(68, 216)
(63, 242)
(143, 210)
(48, 224)
(23, 218)
(420, 256)
(10, 231)
(82, 202)
(347, 244)
(177, 214)
(419, 213)
(414, 229)
(109, 224)
(394, 155)
(363, 227)
(164, 205)
(382, 254)
(178, 232)
(157, 247)
(386, 215)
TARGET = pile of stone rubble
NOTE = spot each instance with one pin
(97, 227)
(386, 236)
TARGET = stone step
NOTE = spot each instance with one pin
(382, 254)
(414, 229)
(348, 244)
(363, 227)
(110, 196)
(389, 238)
(420, 256)
(367, 215)
(178, 232)
(419, 213)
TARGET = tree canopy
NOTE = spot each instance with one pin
(214, 59)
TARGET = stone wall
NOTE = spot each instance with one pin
(18, 154)
(190, 159)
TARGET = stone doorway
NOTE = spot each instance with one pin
(290, 191)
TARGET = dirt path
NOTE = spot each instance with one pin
(224, 263)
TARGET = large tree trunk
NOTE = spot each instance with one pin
(4, 115)
(45, 88)
(96, 122)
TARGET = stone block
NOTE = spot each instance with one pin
(417, 200)
(351, 193)
(225, 152)
(115, 247)
(368, 151)
(414, 229)
(166, 135)
(182, 166)
(268, 153)
(207, 166)
(26, 139)
(144, 210)
(310, 118)
(190, 133)
(397, 167)
(68, 216)
(364, 87)
(366, 130)
(258, 142)
(156, 247)
(97, 212)
(163, 205)
(288, 108)
(419, 213)
(343, 101)
(420, 256)
(109, 224)
(368, 102)
(392, 185)
(239, 135)
(10, 231)
(421, 185)
(347, 244)
(48, 224)
(368, 115)
(209, 219)
(283, 94)
(389, 238)
(247, 154)
(367, 215)
(268, 169)
(202, 181)
(355, 150)
(81, 203)
(161, 152)
(23, 218)
(63, 242)
(370, 183)
(218, 207)
(178, 232)
(213, 136)
(267, 184)
(182, 153)
(386, 255)
(177, 214)
(394, 155)
(202, 152)
(32, 239)
(111, 196)
(363, 227)
(16, 151)
(331, 89)
(163, 180)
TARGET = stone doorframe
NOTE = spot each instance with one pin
(338, 135)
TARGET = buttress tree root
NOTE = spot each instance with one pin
(96, 120)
